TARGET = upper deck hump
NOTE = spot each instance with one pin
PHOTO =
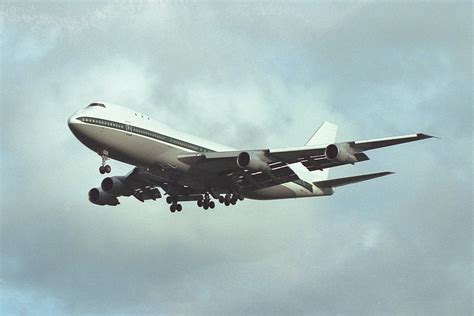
(132, 117)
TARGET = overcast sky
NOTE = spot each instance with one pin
(249, 75)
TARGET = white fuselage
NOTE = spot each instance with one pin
(136, 139)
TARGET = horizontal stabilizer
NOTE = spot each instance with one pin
(349, 180)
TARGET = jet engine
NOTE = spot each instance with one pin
(253, 160)
(115, 186)
(340, 153)
(99, 197)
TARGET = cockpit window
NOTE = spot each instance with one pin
(96, 104)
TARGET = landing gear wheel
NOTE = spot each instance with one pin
(169, 199)
(172, 208)
(221, 199)
(206, 206)
(212, 204)
(226, 203)
(199, 203)
(104, 168)
(241, 196)
(179, 208)
(233, 201)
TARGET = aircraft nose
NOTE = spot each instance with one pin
(72, 122)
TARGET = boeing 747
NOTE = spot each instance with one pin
(188, 168)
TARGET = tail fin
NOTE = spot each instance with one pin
(325, 135)
(349, 180)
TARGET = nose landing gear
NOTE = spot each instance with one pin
(104, 168)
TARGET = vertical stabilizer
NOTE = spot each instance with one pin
(325, 135)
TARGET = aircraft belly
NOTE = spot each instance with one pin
(281, 191)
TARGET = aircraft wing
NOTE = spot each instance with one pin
(295, 154)
(312, 157)
(248, 170)
(384, 142)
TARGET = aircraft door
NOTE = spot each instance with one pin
(128, 128)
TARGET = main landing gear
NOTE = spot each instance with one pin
(229, 199)
(205, 202)
(174, 205)
(104, 168)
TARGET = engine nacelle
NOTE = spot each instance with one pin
(340, 153)
(115, 186)
(99, 197)
(253, 160)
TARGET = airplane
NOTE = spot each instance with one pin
(188, 168)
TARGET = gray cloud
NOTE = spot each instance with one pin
(248, 75)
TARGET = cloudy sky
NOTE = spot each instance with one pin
(247, 75)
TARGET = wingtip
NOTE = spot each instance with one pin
(382, 174)
(426, 136)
